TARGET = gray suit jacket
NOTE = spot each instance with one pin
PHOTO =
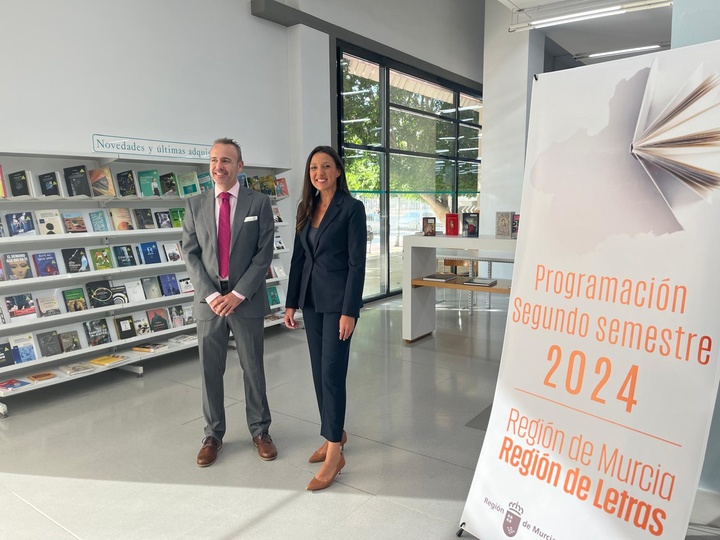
(251, 251)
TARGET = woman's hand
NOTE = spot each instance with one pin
(290, 319)
(347, 325)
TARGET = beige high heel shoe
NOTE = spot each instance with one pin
(321, 452)
(316, 485)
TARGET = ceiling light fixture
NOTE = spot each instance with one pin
(620, 52)
(554, 20)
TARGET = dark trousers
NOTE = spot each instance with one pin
(329, 356)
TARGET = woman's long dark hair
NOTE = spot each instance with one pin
(309, 194)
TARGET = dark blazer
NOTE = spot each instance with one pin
(251, 251)
(336, 267)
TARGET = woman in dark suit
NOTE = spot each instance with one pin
(327, 274)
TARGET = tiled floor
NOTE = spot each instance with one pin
(113, 456)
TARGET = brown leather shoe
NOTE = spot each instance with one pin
(209, 451)
(265, 446)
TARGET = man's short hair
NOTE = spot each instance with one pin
(231, 142)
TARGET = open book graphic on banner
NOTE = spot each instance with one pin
(678, 142)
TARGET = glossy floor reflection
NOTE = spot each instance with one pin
(112, 456)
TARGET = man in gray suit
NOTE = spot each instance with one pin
(230, 294)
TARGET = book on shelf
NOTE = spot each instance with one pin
(158, 318)
(149, 252)
(481, 282)
(134, 290)
(169, 284)
(77, 368)
(3, 185)
(205, 182)
(185, 285)
(23, 348)
(101, 182)
(470, 223)
(13, 384)
(151, 287)
(77, 181)
(269, 274)
(99, 220)
(97, 332)
(121, 219)
(176, 216)
(452, 224)
(277, 216)
(182, 339)
(6, 355)
(20, 224)
(46, 264)
(281, 187)
(187, 184)
(119, 294)
(125, 327)
(124, 256)
(49, 343)
(47, 306)
(76, 260)
(278, 271)
(172, 252)
(20, 306)
(40, 377)
(141, 323)
(144, 218)
(274, 295)
(515, 225)
(162, 219)
(176, 316)
(49, 184)
(20, 183)
(70, 341)
(440, 276)
(74, 299)
(17, 266)
(127, 184)
(99, 293)
(74, 222)
(101, 258)
(150, 347)
(109, 359)
(188, 315)
(49, 222)
(278, 243)
(168, 185)
(503, 224)
(149, 183)
(428, 226)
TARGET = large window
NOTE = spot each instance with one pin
(412, 149)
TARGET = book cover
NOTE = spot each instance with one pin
(149, 183)
(97, 332)
(77, 181)
(267, 185)
(74, 299)
(168, 185)
(481, 282)
(205, 182)
(121, 219)
(23, 348)
(144, 218)
(503, 224)
(158, 318)
(77, 368)
(277, 217)
(74, 222)
(119, 294)
(182, 339)
(176, 315)
(40, 377)
(279, 271)
(124, 256)
(109, 359)
(13, 384)
(172, 252)
(101, 258)
(3, 185)
(515, 225)
(134, 290)
(452, 224)
(440, 276)
(20, 184)
(176, 216)
(47, 306)
(70, 341)
(185, 285)
(188, 315)
(278, 243)
(281, 188)
(20, 305)
(470, 222)
(127, 185)
(46, 264)
(151, 287)
(6, 356)
(187, 184)
(149, 252)
(49, 222)
(17, 266)
(142, 326)
(49, 343)
(428, 226)
(76, 260)
(101, 182)
(162, 218)
(169, 284)
(274, 297)
(125, 327)
(99, 293)
(99, 220)
(20, 224)
(150, 347)
(49, 184)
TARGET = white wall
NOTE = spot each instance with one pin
(186, 71)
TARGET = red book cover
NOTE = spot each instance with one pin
(452, 224)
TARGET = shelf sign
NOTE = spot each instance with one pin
(113, 144)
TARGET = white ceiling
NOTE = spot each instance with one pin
(636, 29)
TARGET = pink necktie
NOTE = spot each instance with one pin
(224, 235)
